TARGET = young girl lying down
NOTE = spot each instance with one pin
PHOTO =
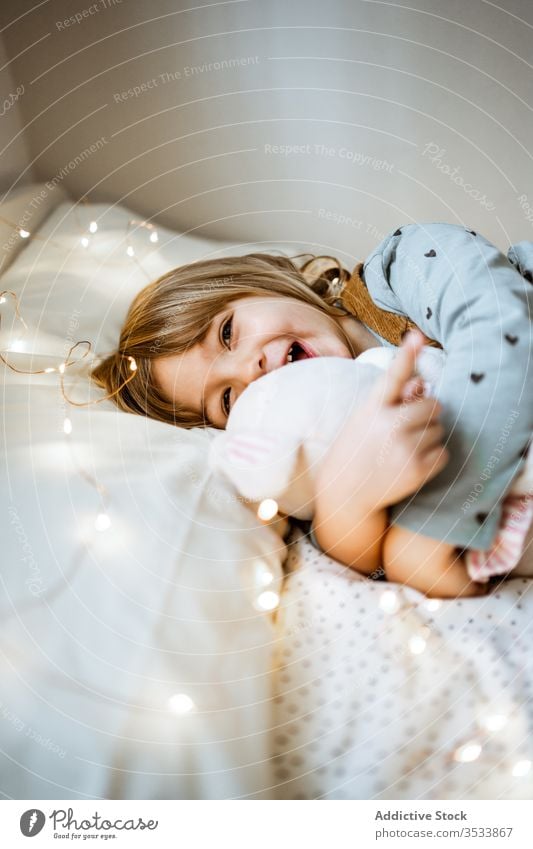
(203, 332)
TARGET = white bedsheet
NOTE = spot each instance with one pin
(358, 714)
(108, 636)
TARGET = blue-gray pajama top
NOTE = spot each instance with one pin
(463, 292)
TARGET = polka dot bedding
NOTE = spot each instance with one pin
(382, 693)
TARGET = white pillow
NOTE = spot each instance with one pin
(107, 634)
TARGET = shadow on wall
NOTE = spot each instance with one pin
(305, 123)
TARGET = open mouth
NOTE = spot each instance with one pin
(297, 351)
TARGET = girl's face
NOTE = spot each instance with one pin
(248, 339)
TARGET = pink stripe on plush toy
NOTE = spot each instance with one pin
(249, 448)
(508, 545)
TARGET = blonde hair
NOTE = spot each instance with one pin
(174, 312)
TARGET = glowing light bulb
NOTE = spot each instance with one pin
(24, 234)
(180, 703)
(61, 368)
(130, 251)
(49, 370)
(267, 601)
(521, 768)
(262, 574)
(93, 227)
(2, 300)
(102, 522)
(494, 722)
(133, 364)
(67, 426)
(85, 241)
(467, 753)
(154, 237)
(389, 601)
(433, 604)
(17, 345)
(267, 509)
(417, 644)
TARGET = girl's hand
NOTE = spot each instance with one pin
(392, 445)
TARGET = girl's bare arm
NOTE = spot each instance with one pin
(355, 539)
(386, 451)
(428, 565)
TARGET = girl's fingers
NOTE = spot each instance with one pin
(413, 389)
(391, 387)
(422, 411)
(430, 438)
(436, 459)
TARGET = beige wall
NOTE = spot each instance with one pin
(14, 156)
(387, 113)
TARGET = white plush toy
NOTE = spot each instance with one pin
(283, 424)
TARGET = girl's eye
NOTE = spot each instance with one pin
(226, 332)
(225, 401)
(226, 393)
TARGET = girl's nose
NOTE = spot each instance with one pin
(256, 367)
(252, 364)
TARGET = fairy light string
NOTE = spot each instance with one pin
(179, 703)
(61, 368)
(266, 600)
